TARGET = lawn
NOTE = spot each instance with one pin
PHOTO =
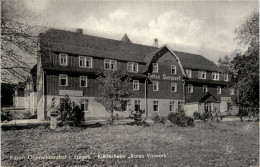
(206, 144)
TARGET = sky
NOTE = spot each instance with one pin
(200, 27)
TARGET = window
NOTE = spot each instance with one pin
(218, 89)
(225, 77)
(137, 105)
(215, 75)
(155, 67)
(173, 69)
(208, 106)
(155, 86)
(202, 74)
(232, 91)
(190, 88)
(63, 59)
(110, 64)
(85, 61)
(132, 67)
(171, 105)
(155, 105)
(189, 73)
(84, 104)
(174, 87)
(124, 105)
(180, 105)
(205, 88)
(63, 80)
(135, 85)
(83, 81)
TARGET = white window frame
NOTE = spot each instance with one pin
(154, 103)
(156, 83)
(66, 59)
(215, 76)
(137, 102)
(226, 77)
(190, 90)
(85, 61)
(155, 65)
(80, 79)
(200, 72)
(205, 86)
(135, 84)
(218, 90)
(60, 77)
(110, 62)
(173, 67)
(85, 101)
(131, 65)
(171, 106)
(174, 85)
(189, 73)
(180, 103)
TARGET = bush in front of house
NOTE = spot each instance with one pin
(6, 116)
(180, 119)
(137, 117)
(156, 118)
(78, 115)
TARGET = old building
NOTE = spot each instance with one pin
(163, 80)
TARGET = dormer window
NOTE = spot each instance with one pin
(63, 59)
(202, 74)
(155, 67)
(110, 64)
(189, 73)
(226, 77)
(132, 67)
(215, 76)
(173, 69)
(85, 61)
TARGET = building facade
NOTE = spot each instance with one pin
(163, 80)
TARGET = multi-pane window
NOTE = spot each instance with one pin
(63, 80)
(155, 67)
(208, 106)
(218, 89)
(205, 88)
(85, 61)
(174, 87)
(83, 81)
(63, 59)
(189, 73)
(190, 88)
(173, 69)
(180, 105)
(155, 86)
(171, 105)
(110, 64)
(225, 77)
(137, 105)
(155, 105)
(202, 74)
(135, 85)
(84, 104)
(215, 75)
(132, 67)
(232, 91)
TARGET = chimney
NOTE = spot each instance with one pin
(79, 31)
(155, 42)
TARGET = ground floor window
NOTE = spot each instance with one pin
(171, 105)
(180, 105)
(155, 105)
(84, 104)
(124, 104)
(137, 105)
(208, 106)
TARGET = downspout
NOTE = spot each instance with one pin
(145, 95)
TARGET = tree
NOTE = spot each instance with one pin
(115, 89)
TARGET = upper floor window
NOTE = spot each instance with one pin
(232, 91)
(218, 89)
(205, 88)
(63, 80)
(190, 88)
(155, 67)
(85, 61)
(132, 67)
(155, 105)
(189, 73)
(135, 85)
(110, 64)
(202, 74)
(83, 81)
(173, 69)
(173, 87)
(225, 77)
(155, 86)
(171, 105)
(215, 75)
(63, 59)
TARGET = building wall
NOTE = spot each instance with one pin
(191, 108)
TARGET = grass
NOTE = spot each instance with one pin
(206, 144)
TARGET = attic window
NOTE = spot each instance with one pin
(63, 59)
(132, 67)
(202, 74)
(226, 77)
(155, 67)
(173, 69)
(215, 75)
(110, 64)
(85, 62)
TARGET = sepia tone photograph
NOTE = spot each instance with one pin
(129, 83)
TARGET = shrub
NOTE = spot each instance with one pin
(157, 119)
(6, 116)
(180, 119)
(137, 117)
(78, 116)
